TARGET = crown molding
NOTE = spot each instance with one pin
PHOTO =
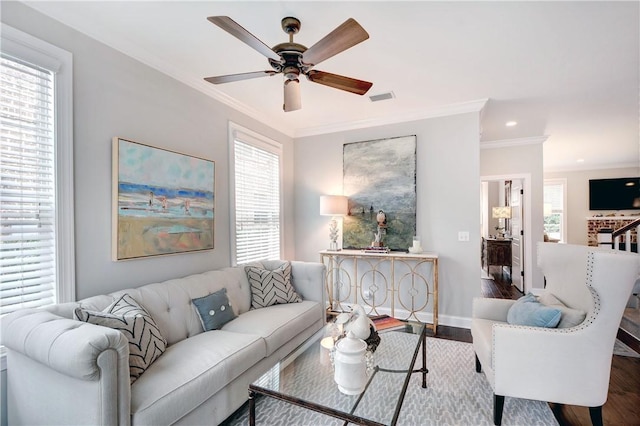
(204, 87)
(139, 54)
(136, 52)
(505, 143)
(585, 168)
(447, 110)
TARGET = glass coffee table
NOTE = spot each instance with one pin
(305, 379)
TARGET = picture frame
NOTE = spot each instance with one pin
(380, 175)
(163, 202)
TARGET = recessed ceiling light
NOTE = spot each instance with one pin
(511, 123)
(630, 183)
(580, 160)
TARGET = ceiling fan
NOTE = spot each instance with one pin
(293, 59)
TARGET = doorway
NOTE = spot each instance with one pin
(507, 191)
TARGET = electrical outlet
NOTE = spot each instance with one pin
(463, 236)
(366, 295)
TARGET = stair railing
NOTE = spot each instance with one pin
(626, 231)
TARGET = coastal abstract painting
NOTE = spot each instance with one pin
(380, 175)
(163, 201)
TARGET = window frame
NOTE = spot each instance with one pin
(60, 62)
(563, 223)
(245, 135)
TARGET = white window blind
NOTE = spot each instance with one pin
(554, 209)
(27, 186)
(257, 203)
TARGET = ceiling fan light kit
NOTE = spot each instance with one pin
(292, 99)
(292, 59)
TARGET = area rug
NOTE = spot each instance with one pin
(456, 395)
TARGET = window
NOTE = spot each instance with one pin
(36, 173)
(554, 209)
(256, 204)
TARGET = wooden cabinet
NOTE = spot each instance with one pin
(496, 252)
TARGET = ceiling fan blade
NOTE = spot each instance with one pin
(347, 35)
(236, 77)
(359, 87)
(236, 30)
(292, 98)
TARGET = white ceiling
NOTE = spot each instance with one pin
(566, 70)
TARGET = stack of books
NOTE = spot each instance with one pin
(385, 322)
(376, 249)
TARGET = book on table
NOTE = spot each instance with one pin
(385, 322)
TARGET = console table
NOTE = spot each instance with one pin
(404, 285)
(496, 252)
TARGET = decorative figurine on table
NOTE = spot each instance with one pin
(360, 325)
(381, 218)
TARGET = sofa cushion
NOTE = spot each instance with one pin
(214, 310)
(271, 286)
(146, 343)
(190, 372)
(528, 311)
(570, 317)
(169, 302)
(278, 323)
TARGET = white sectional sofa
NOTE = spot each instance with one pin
(64, 371)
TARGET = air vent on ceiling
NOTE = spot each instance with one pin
(382, 97)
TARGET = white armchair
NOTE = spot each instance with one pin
(560, 365)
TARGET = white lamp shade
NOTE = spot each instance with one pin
(333, 205)
(501, 212)
(292, 98)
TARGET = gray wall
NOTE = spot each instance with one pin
(448, 198)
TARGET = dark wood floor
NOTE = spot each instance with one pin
(623, 403)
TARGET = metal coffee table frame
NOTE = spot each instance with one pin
(255, 390)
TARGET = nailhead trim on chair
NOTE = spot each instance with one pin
(586, 323)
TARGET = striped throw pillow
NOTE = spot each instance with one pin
(146, 343)
(271, 287)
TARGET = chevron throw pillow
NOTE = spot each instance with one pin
(271, 287)
(146, 343)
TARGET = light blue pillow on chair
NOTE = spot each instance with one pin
(528, 311)
(214, 310)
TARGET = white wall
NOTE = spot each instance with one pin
(448, 199)
(115, 95)
(577, 203)
(523, 161)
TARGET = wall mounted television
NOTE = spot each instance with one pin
(614, 194)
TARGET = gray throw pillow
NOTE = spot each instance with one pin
(214, 310)
(146, 343)
(271, 287)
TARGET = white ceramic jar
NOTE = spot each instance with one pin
(350, 365)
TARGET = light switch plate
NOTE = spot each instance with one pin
(463, 236)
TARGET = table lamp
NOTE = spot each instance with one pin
(333, 205)
(501, 213)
